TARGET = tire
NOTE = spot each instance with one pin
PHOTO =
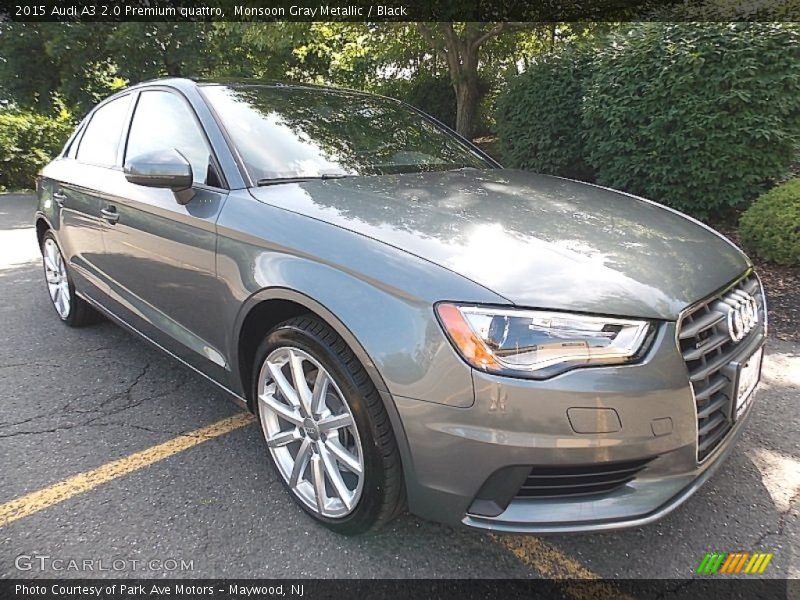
(71, 309)
(378, 492)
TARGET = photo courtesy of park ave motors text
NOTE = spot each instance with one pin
(509, 299)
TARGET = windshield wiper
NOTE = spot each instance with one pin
(299, 179)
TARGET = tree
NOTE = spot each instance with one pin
(435, 66)
(459, 45)
(148, 50)
(49, 65)
(28, 75)
(337, 53)
(86, 70)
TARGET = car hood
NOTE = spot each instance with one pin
(538, 241)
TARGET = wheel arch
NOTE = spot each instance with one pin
(270, 306)
(42, 227)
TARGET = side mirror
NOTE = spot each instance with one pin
(162, 169)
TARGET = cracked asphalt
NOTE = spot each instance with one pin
(73, 400)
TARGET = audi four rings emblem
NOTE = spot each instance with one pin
(743, 314)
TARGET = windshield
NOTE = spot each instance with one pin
(309, 133)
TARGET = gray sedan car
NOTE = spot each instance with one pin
(412, 324)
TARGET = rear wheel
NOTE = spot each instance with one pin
(326, 428)
(71, 309)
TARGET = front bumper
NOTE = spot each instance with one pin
(643, 411)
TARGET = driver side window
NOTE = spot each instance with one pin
(162, 121)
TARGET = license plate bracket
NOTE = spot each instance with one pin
(748, 374)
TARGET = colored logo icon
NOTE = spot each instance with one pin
(734, 562)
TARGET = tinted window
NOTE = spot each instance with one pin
(100, 141)
(163, 121)
(290, 132)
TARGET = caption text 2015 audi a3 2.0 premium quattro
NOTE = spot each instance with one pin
(412, 324)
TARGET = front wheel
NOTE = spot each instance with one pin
(326, 428)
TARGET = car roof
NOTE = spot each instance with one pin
(184, 83)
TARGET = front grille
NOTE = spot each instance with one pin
(555, 482)
(708, 349)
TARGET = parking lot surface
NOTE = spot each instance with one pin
(161, 503)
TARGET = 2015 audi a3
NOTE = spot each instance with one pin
(411, 323)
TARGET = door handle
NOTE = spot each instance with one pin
(110, 214)
(60, 198)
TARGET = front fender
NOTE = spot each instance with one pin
(396, 338)
(378, 298)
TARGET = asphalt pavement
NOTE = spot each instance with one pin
(74, 400)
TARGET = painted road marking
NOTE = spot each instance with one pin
(83, 482)
(552, 563)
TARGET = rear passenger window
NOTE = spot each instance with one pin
(163, 121)
(100, 141)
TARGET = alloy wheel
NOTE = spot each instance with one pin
(56, 274)
(310, 432)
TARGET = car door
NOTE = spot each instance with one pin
(79, 183)
(159, 254)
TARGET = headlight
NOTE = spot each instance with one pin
(539, 344)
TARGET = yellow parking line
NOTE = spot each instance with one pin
(83, 482)
(552, 563)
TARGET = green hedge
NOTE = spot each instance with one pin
(770, 228)
(700, 116)
(28, 141)
(538, 118)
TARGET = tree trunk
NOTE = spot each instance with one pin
(467, 96)
(463, 64)
(172, 66)
(174, 69)
(461, 55)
